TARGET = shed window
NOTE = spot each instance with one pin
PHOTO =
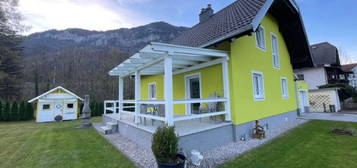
(70, 105)
(46, 106)
(258, 85)
(284, 88)
(260, 37)
(152, 91)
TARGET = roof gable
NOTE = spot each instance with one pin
(325, 54)
(58, 89)
(242, 17)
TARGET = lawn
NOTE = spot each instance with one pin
(307, 146)
(56, 145)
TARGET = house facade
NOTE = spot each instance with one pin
(327, 69)
(214, 81)
(351, 76)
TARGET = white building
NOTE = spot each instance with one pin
(57, 101)
(352, 76)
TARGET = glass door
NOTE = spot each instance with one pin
(193, 91)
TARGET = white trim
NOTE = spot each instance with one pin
(263, 86)
(195, 116)
(200, 66)
(168, 91)
(150, 91)
(264, 38)
(272, 35)
(121, 95)
(226, 91)
(189, 101)
(261, 14)
(50, 91)
(137, 95)
(282, 89)
(187, 89)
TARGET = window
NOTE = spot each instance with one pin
(260, 37)
(70, 105)
(152, 91)
(46, 106)
(274, 42)
(258, 85)
(300, 76)
(284, 88)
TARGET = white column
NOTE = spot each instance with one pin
(168, 91)
(227, 105)
(137, 96)
(121, 95)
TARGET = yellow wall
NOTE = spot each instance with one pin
(211, 82)
(245, 57)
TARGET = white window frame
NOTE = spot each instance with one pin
(286, 95)
(275, 55)
(187, 89)
(264, 39)
(260, 87)
(150, 91)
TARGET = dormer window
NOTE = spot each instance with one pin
(260, 38)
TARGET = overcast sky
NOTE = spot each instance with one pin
(325, 20)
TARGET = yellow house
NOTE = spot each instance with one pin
(215, 80)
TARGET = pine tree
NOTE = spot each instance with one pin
(1, 118)
(6, 112)
(22, 111)
(14, 116)
(101, 108)
(29, 112)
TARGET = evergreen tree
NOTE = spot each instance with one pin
(14, 115)
(22, 111)
(1, 119)
(101, 108)
(6, 112)
(29, 112)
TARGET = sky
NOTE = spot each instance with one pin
(325, 20)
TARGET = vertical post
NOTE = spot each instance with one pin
(105, 107)
(227, 105)
(168, 90)
(121, 95)
(137, 96)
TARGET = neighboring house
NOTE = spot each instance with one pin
(351, 70)
(232, 68)
(327, 69)
(57, 101)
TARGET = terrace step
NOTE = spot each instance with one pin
(106, 130)
(113, 126)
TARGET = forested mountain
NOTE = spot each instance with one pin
(80, 59)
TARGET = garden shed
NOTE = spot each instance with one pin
(56, 102)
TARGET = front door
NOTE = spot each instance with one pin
(193, 91)
(58, 109)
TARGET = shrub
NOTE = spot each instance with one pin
(29, 111)
(165, 144)
(14, 116)
(6, 112)
(1, 119)
(22, 111)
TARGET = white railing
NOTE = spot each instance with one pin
(130, 104)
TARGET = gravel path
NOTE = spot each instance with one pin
(212, 158)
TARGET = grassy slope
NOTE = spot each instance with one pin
(55, 145)
(307, 146)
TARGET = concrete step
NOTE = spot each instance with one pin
(113, 126)
(106, 130)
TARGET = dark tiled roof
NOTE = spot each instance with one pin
(348, 67)
(325, 53)
(228, 20)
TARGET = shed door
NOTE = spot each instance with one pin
(45, 112)
(70, 110)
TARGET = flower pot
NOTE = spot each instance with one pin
(174, 165)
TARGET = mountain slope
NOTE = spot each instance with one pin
(80, 59)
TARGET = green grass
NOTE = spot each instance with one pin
(310, 145)
(56, 145)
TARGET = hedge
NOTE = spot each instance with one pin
(15, 111)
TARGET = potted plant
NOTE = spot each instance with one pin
(165, 148)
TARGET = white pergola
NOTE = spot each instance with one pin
(168, 59)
